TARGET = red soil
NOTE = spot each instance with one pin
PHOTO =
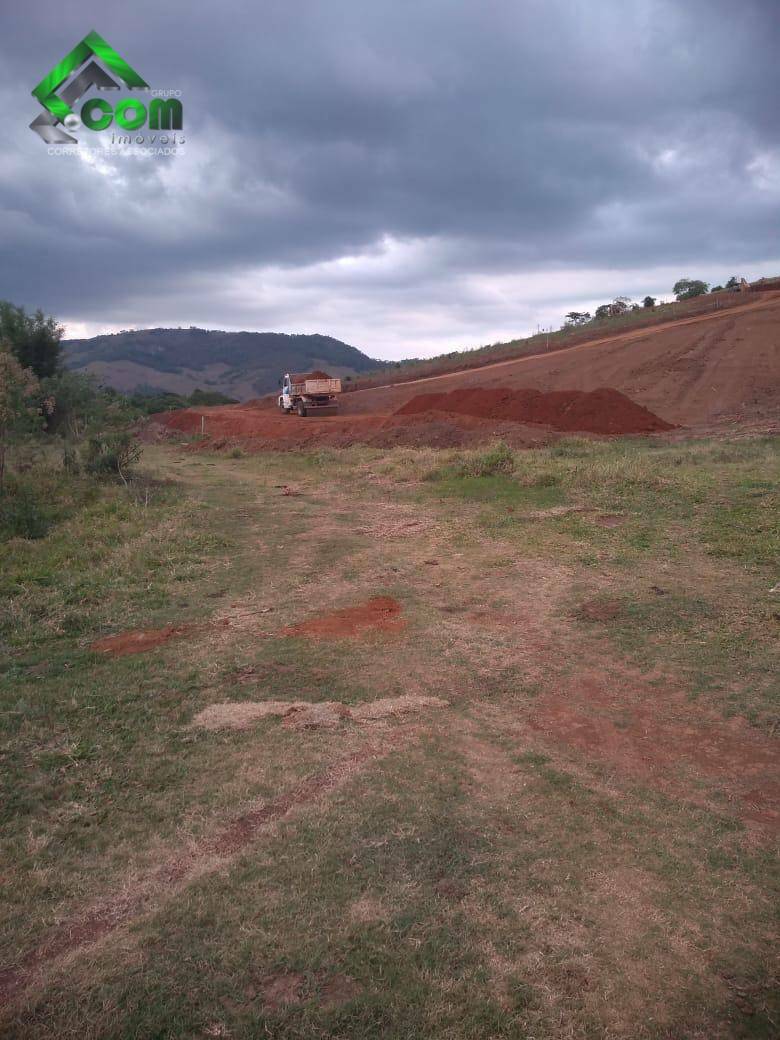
(380, 613)
(660, 738)
(140, 640)
(301, 377)
(597, 411)
(720, 368)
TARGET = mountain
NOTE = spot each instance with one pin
(240, 364)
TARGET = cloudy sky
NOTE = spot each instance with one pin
(411, 176)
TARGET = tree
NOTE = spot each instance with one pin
(688, 288)
(733, 282)
(18, 387)
(612, 310)
(716, 288)
(34, 339)
(72, 402)
(576, 318)
(649, 302)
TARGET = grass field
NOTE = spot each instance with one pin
(581, 842)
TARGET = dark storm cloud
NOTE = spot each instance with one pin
(494, 139)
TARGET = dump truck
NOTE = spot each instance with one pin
(312, 393)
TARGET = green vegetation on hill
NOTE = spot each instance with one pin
(151, 403)
(251, 360)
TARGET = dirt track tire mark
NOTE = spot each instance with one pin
(165, 882)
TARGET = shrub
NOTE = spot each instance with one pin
(17, 388)
(23, 515)
(70, 460)
(111, 454)
(496, 460)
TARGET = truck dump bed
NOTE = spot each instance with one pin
(317, 387)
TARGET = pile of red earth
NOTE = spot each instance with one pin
(596, 411)
(301, 377)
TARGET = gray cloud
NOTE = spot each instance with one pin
(453, 171)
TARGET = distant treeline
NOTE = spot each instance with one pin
(149, 402)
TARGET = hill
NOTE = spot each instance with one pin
(239, 364)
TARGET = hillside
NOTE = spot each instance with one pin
(240, 364)
(545, 342)
(716, 366)
(708, 371)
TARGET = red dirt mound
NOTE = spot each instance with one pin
(380, 613)
(596, 411)
(301, 377)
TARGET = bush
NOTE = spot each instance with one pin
(75, 405)
(34, 338)
(496, 460)
(111, 454)
(23, 515)
(70, 460)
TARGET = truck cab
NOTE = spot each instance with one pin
(286, 403)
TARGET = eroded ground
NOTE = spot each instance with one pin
(399, 744)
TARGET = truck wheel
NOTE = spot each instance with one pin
(302, 409)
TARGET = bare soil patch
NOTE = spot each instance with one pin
(610, 520)
(141, 640)
(657, 735)
(280, 989)
(378, 614)
(256, 429)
